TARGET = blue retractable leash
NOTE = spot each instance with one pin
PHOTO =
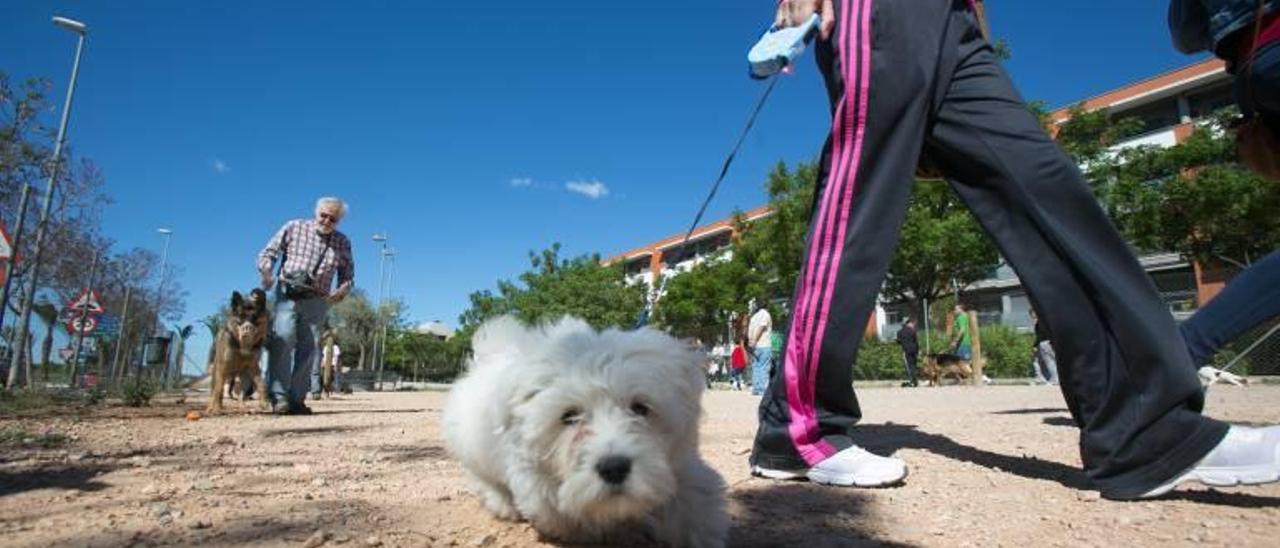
(777, 49)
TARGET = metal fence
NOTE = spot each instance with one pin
(1255, 353)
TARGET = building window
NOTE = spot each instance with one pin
(1155, 116)
(1211, 100)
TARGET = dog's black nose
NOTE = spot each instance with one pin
(614, 469)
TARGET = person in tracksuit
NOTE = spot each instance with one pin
(1227, 28)
(913, 77)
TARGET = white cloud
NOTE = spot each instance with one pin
(220, 166)
(592, 189)
(521, 182)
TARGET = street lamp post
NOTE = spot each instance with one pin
(387, 255)
(24, 325)
(381, 238)
(164, 265)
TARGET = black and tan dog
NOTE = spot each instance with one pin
(941, 366)
(328, 362)
(237, 349)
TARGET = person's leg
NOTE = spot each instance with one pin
(316, 371)
(1050, 361)
(880, 99)
(306, 355)
(284, 331)
(910, 359)
(1037, 366)
(760, 371)
(1126, 377)
(1251, 298)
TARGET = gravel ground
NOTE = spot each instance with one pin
(991, 466)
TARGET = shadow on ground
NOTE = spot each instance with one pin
(309, 431)
(411, 453)
(773, 514)
(1032, 411)
(59, 476)
(886, 438)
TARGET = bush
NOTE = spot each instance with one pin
(878, 360)
(1008, 352)
(138, 391)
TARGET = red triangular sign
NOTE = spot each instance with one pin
(6, 244)
(87, 299)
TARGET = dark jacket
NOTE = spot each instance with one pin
(907, 338)
(1042, 332)
(1199, 25)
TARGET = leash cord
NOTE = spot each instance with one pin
(724, 170)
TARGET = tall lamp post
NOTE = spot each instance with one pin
(380, 238)
(167, 234)
(387, 255)
(24, 325)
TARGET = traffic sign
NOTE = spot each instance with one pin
(66, 353)
(89, 300)
(108, 325)
(6, 245)
(84, 325)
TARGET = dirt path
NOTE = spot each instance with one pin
(994, 466)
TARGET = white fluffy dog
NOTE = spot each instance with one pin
(587, 433)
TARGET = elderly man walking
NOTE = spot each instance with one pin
(308, 252)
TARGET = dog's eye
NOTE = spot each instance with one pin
(640, 409)
(571, 416)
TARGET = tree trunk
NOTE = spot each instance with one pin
(102, 359)
(181, 346)
(45, 347)
(362, 356)
(31, 352)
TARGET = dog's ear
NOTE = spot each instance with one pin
(259, 298)
(237, 300)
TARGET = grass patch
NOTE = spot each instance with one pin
(24, 402)
(10, 435)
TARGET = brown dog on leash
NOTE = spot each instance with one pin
(941, 366)
(238, 347)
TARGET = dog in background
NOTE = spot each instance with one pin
(942, 365)
(328, 361)
(237, 349)
(589, 435)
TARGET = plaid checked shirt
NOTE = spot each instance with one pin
(303, 245)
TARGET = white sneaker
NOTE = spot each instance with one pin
(1246, 456)
(851, 467)
(1210, 376)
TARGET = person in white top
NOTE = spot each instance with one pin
(759, 330)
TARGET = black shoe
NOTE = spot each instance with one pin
(299, 409)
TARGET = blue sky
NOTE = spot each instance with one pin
(470, 132)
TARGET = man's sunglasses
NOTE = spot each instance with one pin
(328, 216)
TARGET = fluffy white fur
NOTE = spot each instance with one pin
(541, 408)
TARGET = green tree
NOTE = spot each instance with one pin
(555, 287)
(703, 301)
(421, 356)
(940, 247)
(773, 246)
(1192, 198)
(940, 244)
(356, 323)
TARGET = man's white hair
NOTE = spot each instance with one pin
(331, 201)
